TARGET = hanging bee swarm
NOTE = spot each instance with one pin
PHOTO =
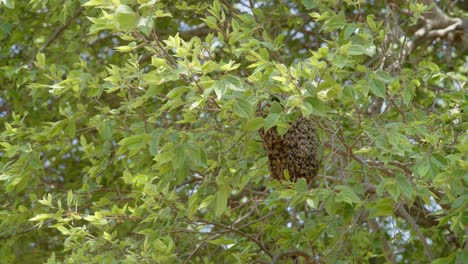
(294, 152)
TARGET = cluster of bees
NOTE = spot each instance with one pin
(295, 154)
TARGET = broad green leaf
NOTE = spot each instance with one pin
(377, 87)
(301, 185)
(337, 22)
(207, 201)
(220, 88)
(133, 144)
(393, 189)
(347, 195)
(309, 4)
(405, 186)
(243, 108)
(234, 83)
(221, 199)
(316, 106)
(383, 76)
(446, 260)
(40, 60)
(381, 207)
(356, 49)
(330, 205)
(180, 157)
(62, 230)
(408, 94)
(254, 124)
(271, 121)
(126, 17)
(145, 25)
(312, 203)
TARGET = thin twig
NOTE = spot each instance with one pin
(418, 231)
(374, 226)
(57, 33)
(235, 230)
(200, 246)
(60, 29)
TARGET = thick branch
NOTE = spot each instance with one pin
(437, 24)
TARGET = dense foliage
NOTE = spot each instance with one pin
(131, 134)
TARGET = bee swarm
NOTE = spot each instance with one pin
(295, 151)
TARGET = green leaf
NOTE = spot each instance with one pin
(107, 130)
(62, 229)
(393, 189)
(422, 168)
(330, 205)
(377, 87)
(408, 94)
(271, 121)
(383, 76)
(193, 204)
(381, 207)
(221, 199)
(243, 108)
(371, 22)
(210, 22)
(206, 202)
(356, 49)
(220, 88)
(312, 203)
(254, 124)
(69, 198)
(40, 60)
(337, 22)
(301, 185)
(133, 144)
(155, 139)
(145, 25)
(161, 13)
(126, 17)
(177, 92)
(234, 83)
(179, 158)
(42, 217)
(347, 195)
(316, 106)
(309, 4)
(405, 186)
(446, 260)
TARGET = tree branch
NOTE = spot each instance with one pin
(374, 226)
(235, 230)
(294, 253)
(416, 229)
(436, 24)
(60, 29)
(57, 33)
